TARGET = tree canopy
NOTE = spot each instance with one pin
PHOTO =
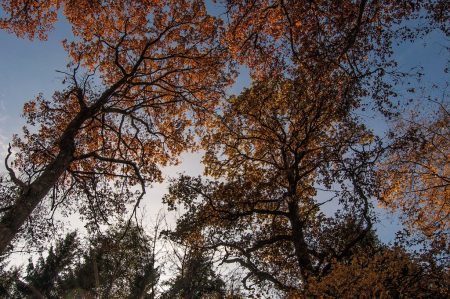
(415, 175)
(273, 160)
(293, 172)
(160, 66)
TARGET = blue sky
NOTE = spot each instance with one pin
(29, 68)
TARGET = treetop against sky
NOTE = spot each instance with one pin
(34, 64)
(306, 115)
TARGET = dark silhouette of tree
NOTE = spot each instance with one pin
(8, 279)
(160, 65)
(42, 278)
(119, 264)
(294, 170)
(44, 275)
(282, 150)
(196, 278)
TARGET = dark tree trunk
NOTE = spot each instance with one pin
(31, 195)
(298, 238)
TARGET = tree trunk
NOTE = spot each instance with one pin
(298, 238)
(31, 195)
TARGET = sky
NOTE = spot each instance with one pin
(28, 68)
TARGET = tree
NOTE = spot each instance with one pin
(382, 273)
(160, 66)
(275, 35)
(355, 39)
(415, 176)
(119, 264)
(282, 150)
(196, 278)
(41, 279)
(8, 279)
(159, 60)
(284, 153)
(43, 276)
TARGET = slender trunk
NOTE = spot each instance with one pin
(298, 238)
(96, 276)
(32, 195)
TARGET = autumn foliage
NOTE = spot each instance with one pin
(160, 66)
(292, 172)
(416, 175)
